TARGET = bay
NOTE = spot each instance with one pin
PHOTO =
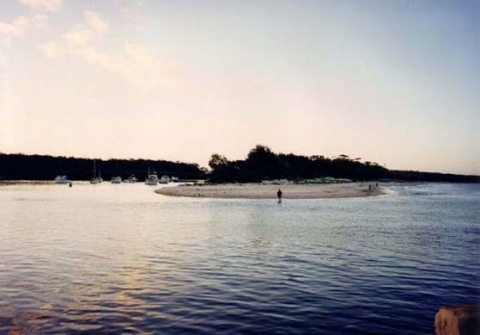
(122, 259)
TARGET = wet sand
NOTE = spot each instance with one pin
(258, 191)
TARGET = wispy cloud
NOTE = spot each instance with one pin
(79, 37)
(53, 50)
(21, 26)
(16, 28)
(48, 5)
(135, 63)
(131, 8)
(94, 22)
(83, 34)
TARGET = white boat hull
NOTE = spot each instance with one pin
(62, 180)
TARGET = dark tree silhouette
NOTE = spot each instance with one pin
(217, 160)
(36, 167)
(260, 164)
(263, 164)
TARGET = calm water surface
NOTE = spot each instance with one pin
(122, 259)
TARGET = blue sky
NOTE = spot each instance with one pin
(396, 82)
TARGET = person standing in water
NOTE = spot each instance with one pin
(279, 195)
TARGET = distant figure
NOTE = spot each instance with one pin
(376, 184)
(70, 184)
(279, 195)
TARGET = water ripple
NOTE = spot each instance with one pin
(96, 260)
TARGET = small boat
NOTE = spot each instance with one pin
(164, 179)
(174, 179)
(62, 180)
(116, 180)
(152, 179)
(131, 179)
(96, 179)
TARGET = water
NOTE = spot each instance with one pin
(122, 259)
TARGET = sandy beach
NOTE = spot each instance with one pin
(258, 191)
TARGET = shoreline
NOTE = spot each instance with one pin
(26, 182)
(259, 191)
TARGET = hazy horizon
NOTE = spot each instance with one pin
(393, 82)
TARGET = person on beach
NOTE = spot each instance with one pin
(279, 195)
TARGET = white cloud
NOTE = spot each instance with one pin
(97, 57)
(21, 26)
(53, 50)
(95, 23)
(139, 65)
(40, 21)
(49, 5)
(83, 34)
(16, 28)
(136, 63)
(79, 37)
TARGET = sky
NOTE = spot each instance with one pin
(394, 82)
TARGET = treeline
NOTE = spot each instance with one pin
(263, 164)
(260, 164)
(433, 177)
(38, 167)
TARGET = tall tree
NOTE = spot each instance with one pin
(217, 160)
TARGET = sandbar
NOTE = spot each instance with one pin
(259, 191)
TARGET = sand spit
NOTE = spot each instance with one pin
(258, 191)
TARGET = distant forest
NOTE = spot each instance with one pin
(37, 167)
(260, 164)
(263, 164)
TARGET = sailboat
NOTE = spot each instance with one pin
(95, 179)
(152, 178)
(116, 179)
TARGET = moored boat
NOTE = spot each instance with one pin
(152, 179)
(131, 179)
(164, 179)
(95, 179)
(116, 180)
(62, 180)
